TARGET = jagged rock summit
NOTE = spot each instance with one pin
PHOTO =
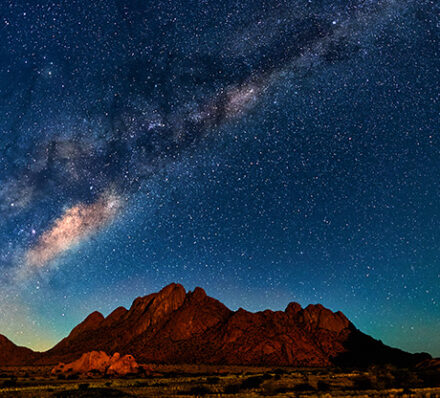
(175, 326)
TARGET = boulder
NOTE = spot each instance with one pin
(99, 362)
(123, 365)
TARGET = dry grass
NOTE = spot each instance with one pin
(224, 381)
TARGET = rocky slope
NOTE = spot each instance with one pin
(175, 326)
(11, 354)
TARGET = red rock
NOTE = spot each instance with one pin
(319, 317)
(11, 354)
(429, 364)
(92, 322)
(99, 362)
(123, 365)
(293, 308)
(173, 326)
(115, 316)
(90, 361)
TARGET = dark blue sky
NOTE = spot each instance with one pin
(268, 151)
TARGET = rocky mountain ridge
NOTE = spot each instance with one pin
(175, 326)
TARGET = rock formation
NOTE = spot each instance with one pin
(99, 362)
(122, 365)
(429, 364)
(11, 354)
(175, 326)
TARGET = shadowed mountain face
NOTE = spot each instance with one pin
(175, 326)
(11, 354)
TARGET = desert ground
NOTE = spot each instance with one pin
(224, 381)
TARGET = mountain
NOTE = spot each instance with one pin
(175, 326)
(11, 354)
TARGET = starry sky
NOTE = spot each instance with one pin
(266, 150)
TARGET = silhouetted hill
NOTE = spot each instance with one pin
(11, 354)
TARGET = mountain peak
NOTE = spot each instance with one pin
(116, 315)
(95, 317)
(316, 315)
(168, 299)
(4, 339)
(198, 294)
(92, 322)
(172, 291)
(293, 308)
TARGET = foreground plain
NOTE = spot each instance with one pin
(219, 381)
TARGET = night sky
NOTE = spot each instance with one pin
(266, 150)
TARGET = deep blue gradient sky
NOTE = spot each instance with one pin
(267, 151)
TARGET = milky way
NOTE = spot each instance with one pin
(136, 133)
(75, 224)
(248, 144)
